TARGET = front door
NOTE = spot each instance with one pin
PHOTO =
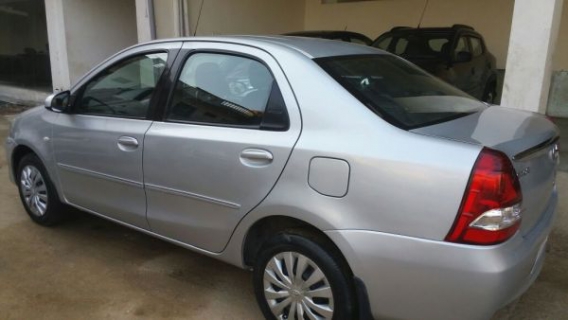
(99, 144)
(228, 131)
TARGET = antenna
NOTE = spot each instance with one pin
(198, 18)
(423, 13)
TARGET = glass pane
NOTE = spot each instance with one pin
(476, 47)
(462, 46)
(24, 50)
(221, 89)
(439, 45)
(125, 89)
(398, 91)
(384, 44)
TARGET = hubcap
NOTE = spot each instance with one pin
(296, 288)
(34, 190)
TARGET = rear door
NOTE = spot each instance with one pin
(229, 127)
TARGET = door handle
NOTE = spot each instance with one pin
(126, 142)
(256, 157)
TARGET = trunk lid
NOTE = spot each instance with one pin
(530, 141)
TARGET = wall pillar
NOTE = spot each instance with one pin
(145, 20)
(531, 46)
(57, 45)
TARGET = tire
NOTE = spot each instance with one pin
(490, 93)
(37, 193)
(293, 297)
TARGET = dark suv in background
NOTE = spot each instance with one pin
(457, 54)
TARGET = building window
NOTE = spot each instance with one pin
(24, 51)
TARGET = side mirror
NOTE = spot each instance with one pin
(463, 56)
(58, 102)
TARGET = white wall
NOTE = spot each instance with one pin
(164, 18)
(233, 17)
(96, 29)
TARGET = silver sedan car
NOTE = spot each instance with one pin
(352, 183)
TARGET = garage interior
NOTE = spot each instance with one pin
(92, 269)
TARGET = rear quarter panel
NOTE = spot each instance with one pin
(400, 182)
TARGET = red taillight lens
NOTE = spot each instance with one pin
(491, 209)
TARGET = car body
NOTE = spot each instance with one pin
(326, 171)
(346, 36)
(457, 55)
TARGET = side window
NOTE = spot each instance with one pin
(461, 46)
(226, 89)
(401, 46)
(124, 89)
(384, 44)
(438, 45)
(476, 47)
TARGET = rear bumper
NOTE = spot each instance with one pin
(409, 278)
(9, 148)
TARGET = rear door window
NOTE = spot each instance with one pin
(225, 89)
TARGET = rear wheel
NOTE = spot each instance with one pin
(37, 192)
(297, 278)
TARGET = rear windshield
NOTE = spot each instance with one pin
(398, 91)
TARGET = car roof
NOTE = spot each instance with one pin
(310, 47)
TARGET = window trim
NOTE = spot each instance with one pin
(184, 56)
(78, 95)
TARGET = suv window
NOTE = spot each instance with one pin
(462, 46)
(400, 47)
(226, 89)
(124, 89)
(423, 44)
(476, 46)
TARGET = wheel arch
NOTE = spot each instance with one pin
(264, 228)
(20, 151)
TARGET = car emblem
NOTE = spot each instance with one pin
(524, 172)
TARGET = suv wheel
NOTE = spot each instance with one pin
(490, 93)
(300, 278)
(37, 192)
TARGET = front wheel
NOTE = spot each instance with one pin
(297, 278)
(37, 193)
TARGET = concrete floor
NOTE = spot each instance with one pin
(89, 268)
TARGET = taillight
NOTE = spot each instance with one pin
(490, 212)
